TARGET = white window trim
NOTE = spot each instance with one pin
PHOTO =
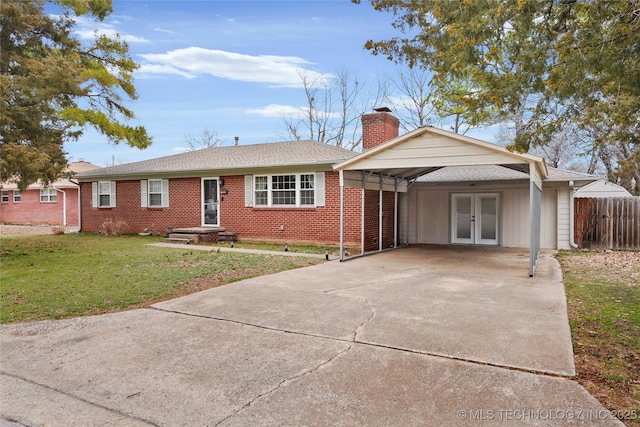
(5, 193)
(145, 193)
(297, 190)
(49, 193)
(95, 195)
(19, 194)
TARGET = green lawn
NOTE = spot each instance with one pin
(51, 277)
(603, 300)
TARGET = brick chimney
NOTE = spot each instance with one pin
(378, 128)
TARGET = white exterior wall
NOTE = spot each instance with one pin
(564, 211)
(430, 213)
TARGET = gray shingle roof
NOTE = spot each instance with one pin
(565, 175)
(497, 173)
(292, 153)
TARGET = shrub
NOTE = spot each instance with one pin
(111, 227)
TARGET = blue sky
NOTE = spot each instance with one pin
(231, 67)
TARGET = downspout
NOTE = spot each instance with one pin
(572, 236)
(64, 206)
(79, 205)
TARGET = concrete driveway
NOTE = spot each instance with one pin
(425, 336)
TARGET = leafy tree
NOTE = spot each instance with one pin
(528, 56)
(52, 86)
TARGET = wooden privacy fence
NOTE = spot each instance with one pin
(607, 223)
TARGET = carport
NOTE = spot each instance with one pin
(395, 165)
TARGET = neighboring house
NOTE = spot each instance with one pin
(602, 188)
(55, 204)
(427, 186)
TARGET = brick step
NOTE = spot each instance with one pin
(195, 238)
(178, 240)
(227, 236)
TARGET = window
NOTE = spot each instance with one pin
(17, 196)
(285, 190)
(5, 196)
(262, 191)
(154, 193)
(306, 190)
(103, 194)
(48, 195)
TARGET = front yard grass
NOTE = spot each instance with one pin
(52, 277)
(603, 301)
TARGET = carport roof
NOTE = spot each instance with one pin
(428, 149)
(497, 173)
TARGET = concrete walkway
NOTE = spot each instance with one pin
(425, 336)
(239, 250)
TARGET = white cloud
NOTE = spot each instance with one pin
(148, 69)
(278, 110)
(276, 70)
(163, 30)
(89, 34)
(87, 29)
(226, 18)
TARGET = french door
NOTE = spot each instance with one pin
(475, 218)
(210, 204)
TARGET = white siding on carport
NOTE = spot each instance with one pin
(431, 149)
(430, 209)
(564, 216)
(549, 218)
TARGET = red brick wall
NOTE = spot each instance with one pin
(318, 225)
(183, 210)
(31, 211)
(378, 128)
(372, 216)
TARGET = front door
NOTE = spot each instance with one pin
(210, 205)
(475, 219)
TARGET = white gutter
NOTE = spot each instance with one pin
(79, 205)
(572, 236)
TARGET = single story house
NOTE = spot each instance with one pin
(54, 204)
(426, 186)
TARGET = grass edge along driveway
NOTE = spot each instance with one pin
(54, 277)
(603, 303)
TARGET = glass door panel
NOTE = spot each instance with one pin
(488, 218)
(210, 202)
(463, 218)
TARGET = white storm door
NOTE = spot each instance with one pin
(210, 205)
(475, 219)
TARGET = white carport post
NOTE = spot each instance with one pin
(380, 215)
(362, 204)
(535, 210)
(395, 213)
(341, 215)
